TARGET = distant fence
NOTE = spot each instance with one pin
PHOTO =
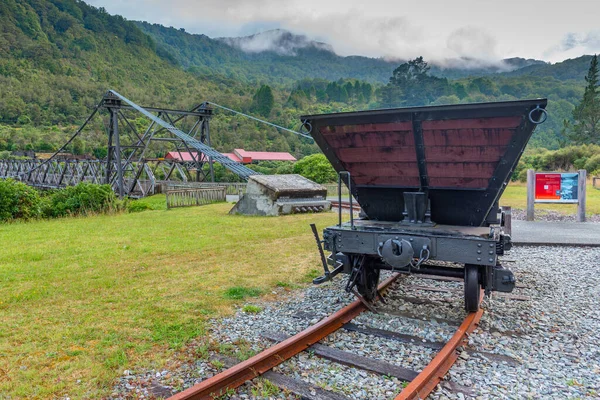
(195, 197)
(332, 189)
(596, 182)
(237, 187)
(230, 187)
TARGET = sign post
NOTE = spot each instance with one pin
(556, 187)
(530, 194)
(581, 195)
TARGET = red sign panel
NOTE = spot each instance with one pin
(556, 187)
(547, 186)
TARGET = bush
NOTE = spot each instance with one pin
(85, 198)
(565, 159)
(273, 167)
(317, 168)
(592, 165)
(18, 201)
(241, 292)
(138, 206)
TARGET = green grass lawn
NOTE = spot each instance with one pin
(515, 196)
(82, 299)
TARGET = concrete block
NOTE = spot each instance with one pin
(281, 194)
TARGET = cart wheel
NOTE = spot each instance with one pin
(472, 288)
(367, 281)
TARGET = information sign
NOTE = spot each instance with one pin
(556, 187)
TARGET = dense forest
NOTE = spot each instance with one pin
(57, 58)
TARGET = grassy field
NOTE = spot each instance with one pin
(82, 299)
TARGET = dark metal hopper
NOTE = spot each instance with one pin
(462, 156)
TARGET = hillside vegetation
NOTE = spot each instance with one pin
(58, 57)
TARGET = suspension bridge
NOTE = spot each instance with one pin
(127, 166)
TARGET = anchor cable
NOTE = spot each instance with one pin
(260, 120)
(64, 146)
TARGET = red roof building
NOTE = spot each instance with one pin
(182, 156)
(239, 155)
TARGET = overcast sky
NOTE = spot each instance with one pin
(551, 30)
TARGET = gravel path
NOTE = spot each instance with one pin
(550, 342)
(555, 335)
(552, 216)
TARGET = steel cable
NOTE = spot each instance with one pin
(263, 121)
(64, 146)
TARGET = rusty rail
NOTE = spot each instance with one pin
(428, 379)
(345, 205)
(273, 356)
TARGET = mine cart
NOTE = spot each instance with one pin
(428, 181)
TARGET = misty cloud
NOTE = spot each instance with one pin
(589, 41)
(575, 44)
(352, 33)
(473, 42)
(471, 30)
(279, 41)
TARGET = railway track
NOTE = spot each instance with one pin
(345, 205)
(419, 386)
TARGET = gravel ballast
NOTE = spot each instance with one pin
(547, 341)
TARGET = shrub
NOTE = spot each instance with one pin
(522, 176)
(241, 292)
(521, 166)
(317, 168)
(565, 159)
(82, 199)
(251, 309)
(592, 165)
(18, 201)
(138, 206)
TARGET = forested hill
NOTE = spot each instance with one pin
(204, 55)
(279, 56)
(57, 58)
(571, 69)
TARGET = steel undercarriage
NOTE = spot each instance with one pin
(371, 246)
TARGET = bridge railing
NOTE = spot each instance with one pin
(195, 197)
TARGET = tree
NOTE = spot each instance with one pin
(411, 85)
(367, 91)
(263, 101)
(317, 168)
(414, 71)
(333, 91)
(586, 115)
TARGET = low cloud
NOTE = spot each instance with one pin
(473, 42)
(382, 28)
(394, 39)
(575, 44)
(352, 33)
(589, 41)
(279, 41)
